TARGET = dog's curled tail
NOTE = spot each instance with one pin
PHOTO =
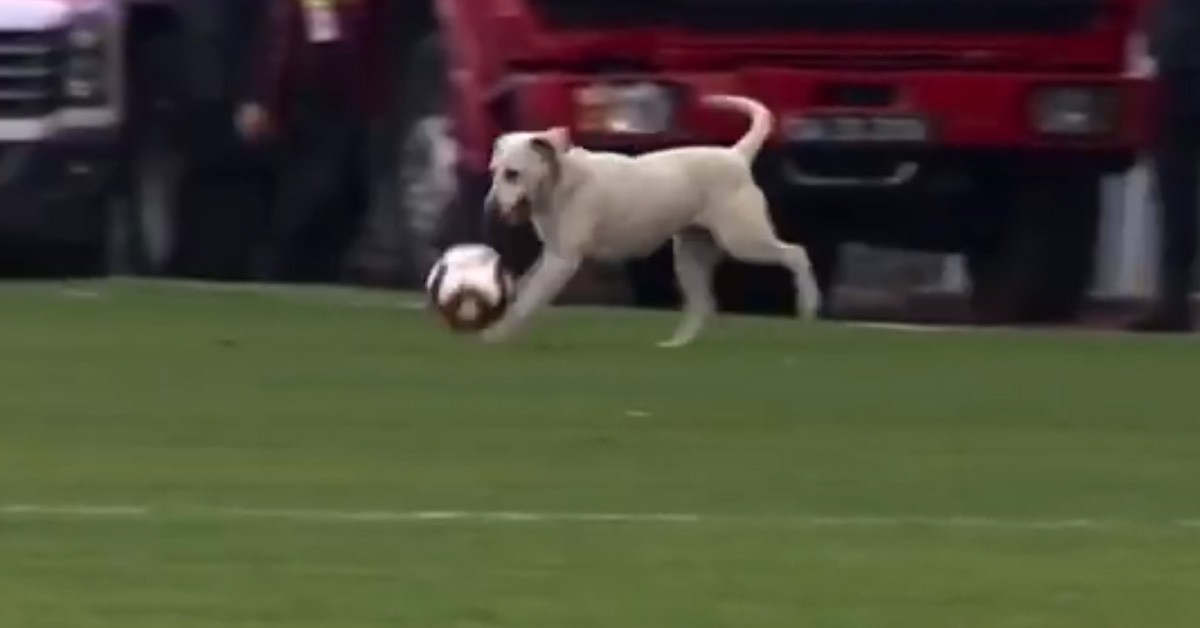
(761, 121)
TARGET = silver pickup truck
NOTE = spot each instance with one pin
(99, 102)
(89, 114)
(61, 112)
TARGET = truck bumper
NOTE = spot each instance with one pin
(55, 189)
(980, 111)
(982, 139)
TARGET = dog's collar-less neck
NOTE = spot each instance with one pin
(562, 188)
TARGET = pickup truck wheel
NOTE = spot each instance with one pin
(1035, 264)
(652, 281)
(757, 289)
(753, 289)
(77, 248)
(738, 287)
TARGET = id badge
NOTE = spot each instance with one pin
(322, 21)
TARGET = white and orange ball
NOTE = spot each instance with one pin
(469, 287)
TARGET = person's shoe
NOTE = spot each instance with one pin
(1165, 320)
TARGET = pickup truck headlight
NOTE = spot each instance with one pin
(1075, 111)
(640, 108)
(85, 66)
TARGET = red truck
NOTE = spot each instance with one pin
(974, 126)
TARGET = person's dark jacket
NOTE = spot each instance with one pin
(218, 39)
(1174, 32)
(352, 67)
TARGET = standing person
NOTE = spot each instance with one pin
(222, 182)
(1175, 44)
(316, 89)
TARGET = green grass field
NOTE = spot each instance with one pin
(180, 457)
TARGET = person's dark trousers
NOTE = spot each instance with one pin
(223, 192)
(1177, 175)
(321, 188)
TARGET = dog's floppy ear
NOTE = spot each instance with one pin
(559, 137)
(545, 149)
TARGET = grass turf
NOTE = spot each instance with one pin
(844, 477)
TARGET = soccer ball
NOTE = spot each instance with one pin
(469, 288)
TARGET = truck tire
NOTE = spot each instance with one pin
(652, 281)
(84, 257)
(1035, 262)
(742, 288)
(749, 288)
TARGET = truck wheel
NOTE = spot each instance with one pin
(652, 281)
(753, 289)
(757, 289)
(1035, 263)
(739, 287)
(86, 257)
(73, 243)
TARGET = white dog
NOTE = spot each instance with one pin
(611, 207)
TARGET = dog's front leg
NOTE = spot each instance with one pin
(539, 287)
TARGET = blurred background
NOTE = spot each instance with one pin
(941, 159)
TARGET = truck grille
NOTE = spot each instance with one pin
(30, 73)
(947, 16)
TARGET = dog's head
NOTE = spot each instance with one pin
(525, 168)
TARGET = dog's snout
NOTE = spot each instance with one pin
(490, 204)
(521, 211)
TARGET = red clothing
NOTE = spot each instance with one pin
(350, 67)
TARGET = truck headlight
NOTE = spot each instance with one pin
(641, 108)
(85, 66)
(1077, 111)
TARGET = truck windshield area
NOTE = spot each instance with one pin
(951, 16)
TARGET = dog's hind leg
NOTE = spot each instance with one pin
(696, 258)
(745, 232)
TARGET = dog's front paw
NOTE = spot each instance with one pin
(497, 333)
(810, 311)
(808, 304)
(493, 336)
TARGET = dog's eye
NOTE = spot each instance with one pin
(510, 175)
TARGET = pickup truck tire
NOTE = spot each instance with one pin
(83, 258)
(742, 288)
(1036, 261)
(738, 287)
(652, 281)
(75, 246)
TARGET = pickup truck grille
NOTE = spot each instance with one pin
(933, 16)
(30, 73)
